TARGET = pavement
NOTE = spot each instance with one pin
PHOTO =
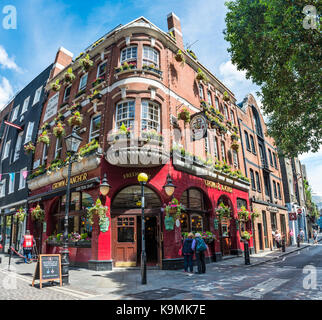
(125, 283)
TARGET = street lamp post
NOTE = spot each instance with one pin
(72, 144)
(143, 178)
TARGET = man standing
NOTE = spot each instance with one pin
(200, 246)
(27, 242)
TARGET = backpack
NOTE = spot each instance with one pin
(201, 245)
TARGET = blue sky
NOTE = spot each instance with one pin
(43, 26)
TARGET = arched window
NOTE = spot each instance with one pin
(257, 122)
(195, 219)
(217, 103)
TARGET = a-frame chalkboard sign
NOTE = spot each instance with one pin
(48, 268)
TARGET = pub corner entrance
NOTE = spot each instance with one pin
(126, 227)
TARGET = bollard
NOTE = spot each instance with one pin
(246, 251)
(298, 242)
(283, 245)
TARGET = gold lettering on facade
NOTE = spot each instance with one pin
(218, 186)
(73, 180)
(130, 175)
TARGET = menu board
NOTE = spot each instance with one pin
(48, 268)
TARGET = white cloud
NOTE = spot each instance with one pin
(7, 62)
(6, 92)
(231, 76)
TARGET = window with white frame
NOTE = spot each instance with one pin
(59, 147)
(216, 148)
(150, 56)
(25, 105)
(95, 127)
(18, 147)
(209, 97)
(125, 113)
(235, 159)
(101, 69)
(217, 103)
(44, 153)
(226, 112)
(11, 185)
(6, 150)
(22, 180)
(201, 92)
(232, 118)
(150, 117)
(223, 153)
(67, 93)
(129, 54)
(15, 113)
(83, 82)
(3, 188)
(29, 132)
(37, 95)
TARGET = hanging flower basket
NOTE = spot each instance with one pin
(69, 77)
(254, 214)
(20, 215)
(76, 119)
(201, 76)
(29, 148)
(184, 115)
(174, 208)
(226, 96)
(245, 235)
(223, 211)
(86, 63)
(180, 56)
(243, 214)
(96, 96)
(59, 130)
(37, 214)
(208, 236)
(101, 211)
(235, 137)
(44, 138)
(235, 146)
(55, 86)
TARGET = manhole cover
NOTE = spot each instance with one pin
(157, 294)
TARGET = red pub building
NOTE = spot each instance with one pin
(141, 103)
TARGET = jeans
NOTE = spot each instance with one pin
(27, 254)
(200, 255)
(188, 262)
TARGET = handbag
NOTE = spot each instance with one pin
(180, 252)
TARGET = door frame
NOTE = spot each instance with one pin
(115, 213)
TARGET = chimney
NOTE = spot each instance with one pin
(174, 26)
(63, 59)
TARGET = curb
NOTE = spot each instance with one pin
(282, 255)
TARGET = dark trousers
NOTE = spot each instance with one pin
(188, 262)
(200, 256)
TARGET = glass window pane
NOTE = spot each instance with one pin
(125, 234)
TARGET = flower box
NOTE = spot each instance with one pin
(76, 119)
(86, 63)
(55, 86)
(96, 97)
(97, 82)
(69, 77)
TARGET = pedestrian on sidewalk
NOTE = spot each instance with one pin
(200, 247)
(188, 252)
(27, 242)
(278, 239)
(315, 236)
(302, 234)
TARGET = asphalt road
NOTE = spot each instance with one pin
(297, 276)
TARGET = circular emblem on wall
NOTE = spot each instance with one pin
(199, 127)
(178, 223)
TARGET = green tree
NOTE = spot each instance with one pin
(268, 40)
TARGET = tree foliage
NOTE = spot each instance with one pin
(269, 41)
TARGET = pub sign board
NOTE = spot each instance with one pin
(48, 269)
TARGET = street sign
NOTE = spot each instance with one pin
(299, 211)
(48, 268)
(292, 216)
